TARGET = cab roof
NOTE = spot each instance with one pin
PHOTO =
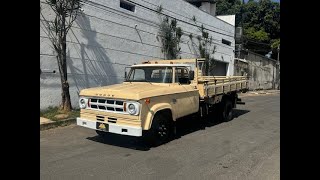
(160, 65)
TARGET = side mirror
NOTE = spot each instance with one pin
(126, 72)
(191, 75)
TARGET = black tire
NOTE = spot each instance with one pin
(161, 130)
(227, 110)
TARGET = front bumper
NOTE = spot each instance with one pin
(110, 127)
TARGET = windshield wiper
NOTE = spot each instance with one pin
(127, 81)
(148, 81)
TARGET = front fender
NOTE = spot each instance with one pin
(153, 110)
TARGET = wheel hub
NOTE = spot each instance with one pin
(162, 130)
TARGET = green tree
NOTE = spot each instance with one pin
(227, 7)
(274, 46)
(261, 21)
(260, 35)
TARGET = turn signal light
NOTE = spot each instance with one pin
(147, 101)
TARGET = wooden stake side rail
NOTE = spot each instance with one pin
(210, 86)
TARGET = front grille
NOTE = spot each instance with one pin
(107, 105)
(100, 118)
(112, 120)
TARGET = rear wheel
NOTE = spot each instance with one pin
(227, 110)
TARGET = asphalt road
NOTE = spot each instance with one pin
(248, 147)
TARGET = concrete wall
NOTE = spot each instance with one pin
(208, 7)
(106, 38)
(261, 70)
(231, 19)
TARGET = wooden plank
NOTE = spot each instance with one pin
(223, 85)
(233, 87)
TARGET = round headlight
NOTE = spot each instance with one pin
(82, 103)
(132, 108)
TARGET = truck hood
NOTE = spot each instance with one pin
(131, 91)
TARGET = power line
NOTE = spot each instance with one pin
(185, 16)
(111, 49)
(186, 33)
(129, 52)
(162, 14)
(132, 40)
(129, 17)
(182, 52)
(87, 59)
(153, 24)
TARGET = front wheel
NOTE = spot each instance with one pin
(160, 132)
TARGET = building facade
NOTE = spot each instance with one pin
(110, 35)
(262, 71)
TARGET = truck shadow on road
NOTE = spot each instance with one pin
(184, 126)
(121, 141)
(190, 124)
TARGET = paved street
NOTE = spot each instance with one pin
(248, 147)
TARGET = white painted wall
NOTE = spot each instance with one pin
(104, 40)
(231, 19)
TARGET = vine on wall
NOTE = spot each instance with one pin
(206, 50)
(169, 35)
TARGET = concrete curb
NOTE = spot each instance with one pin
(54, 124)
(258, 93)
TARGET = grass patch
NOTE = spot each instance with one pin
(53, 111)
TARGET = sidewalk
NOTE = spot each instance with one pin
(48, 124)
(260, 92)
(44, 120)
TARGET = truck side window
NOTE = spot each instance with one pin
(139, 74)
(156, 75)
(182, 76)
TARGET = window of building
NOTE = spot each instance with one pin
(226, 42)
(126, 5)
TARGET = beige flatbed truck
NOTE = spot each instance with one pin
(154, 95)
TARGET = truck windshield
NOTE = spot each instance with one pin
(150, 74)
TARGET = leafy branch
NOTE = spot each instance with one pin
(204, 46)
(170, 36)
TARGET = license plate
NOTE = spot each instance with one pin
(102, 126)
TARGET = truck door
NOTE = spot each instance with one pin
(187, 98)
